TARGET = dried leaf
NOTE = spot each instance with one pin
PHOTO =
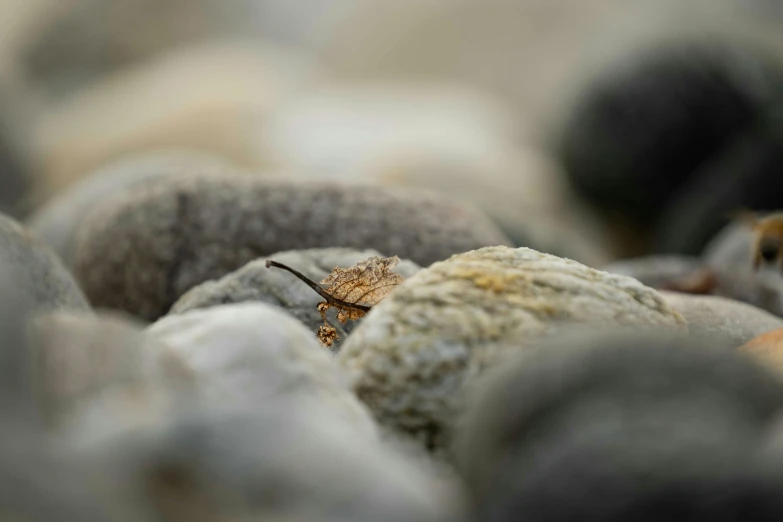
(352, 291)
(327, 334)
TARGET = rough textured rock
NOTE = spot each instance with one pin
(731, 321)
(255, 282)
(653, 423)
(249, 353)
(413, 352)
(282, 461)
(144, 249)
(35, 271)
(59, 219)
(77, 357)
(213, 97)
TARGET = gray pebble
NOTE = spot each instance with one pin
(142, 250)
(282, 461)
(247, 353)
(59, 219)
(256, 282)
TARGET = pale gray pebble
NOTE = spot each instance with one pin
(284, 460)
(59, 219)
(139, 252)
(730, 321)
(77, 357)
(412, 354)
(31, 267)
(256, 282)
(247, 353)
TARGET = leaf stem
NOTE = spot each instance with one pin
(323, 293)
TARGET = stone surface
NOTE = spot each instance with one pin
(31, 267)
(413, 352)
(732, 246)
(145, 248)
(722, 273)
(648, 421)
(41, 483)
(77, 357)
(634, 140)
(255, 282)
(249, 353)
(214, 97)
(59, 219)
(768, 348)
(731, 321)
(282, 461)
(656, 271)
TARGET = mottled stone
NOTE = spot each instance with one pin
(248, 353)
(256, 282)
(59, 219)
(413, 352)
(35, 271)
(730, 321)
(283, 461)
(143, 249)
(77, 357)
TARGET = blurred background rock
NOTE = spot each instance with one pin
(594, 129)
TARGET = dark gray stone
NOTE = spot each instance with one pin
(609, 427)
(142, 250)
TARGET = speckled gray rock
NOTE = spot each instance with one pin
(79, 356)
(248, 353)
(256, 282)
(58, 220)
(731, 321)
(142, 250)
(414, 351)
(283, 461)
(30, 266)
